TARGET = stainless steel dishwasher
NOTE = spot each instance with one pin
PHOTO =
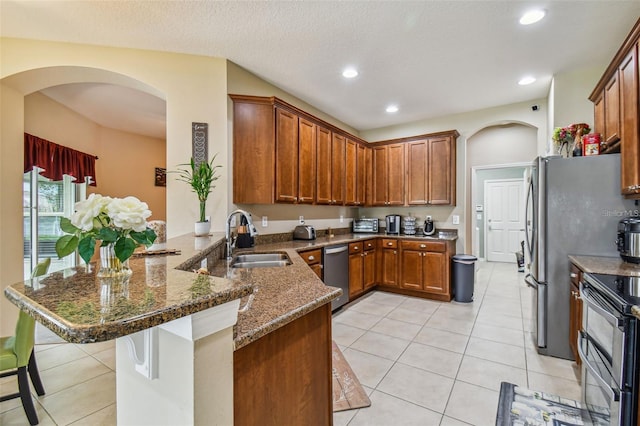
(336, 272)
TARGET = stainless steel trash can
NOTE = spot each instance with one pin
(463, 277)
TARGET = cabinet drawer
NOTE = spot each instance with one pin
(312, 257)
(356, 247)
(369, 245)
(575, 275)
(389, 243)
(437, 246)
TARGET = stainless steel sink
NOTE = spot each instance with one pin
(260, 260)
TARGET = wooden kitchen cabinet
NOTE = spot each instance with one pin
(355, 173)
(313, 258)
(575, 310)
(629, 124)
(424, 267)
(330, 167)
(612, 110)
(306, 161)
(616, 100)
(431, 171)
(388, 175)
(264, 394)
(389, 262)
(323, 158)
(362, 267)
(286, 156)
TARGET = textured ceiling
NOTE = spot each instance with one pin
(431, 58)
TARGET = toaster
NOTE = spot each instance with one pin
(304, 232)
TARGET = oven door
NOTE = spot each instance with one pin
(600, 392)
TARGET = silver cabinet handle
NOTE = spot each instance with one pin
(573, 275)
(311, 257)
(423, 246)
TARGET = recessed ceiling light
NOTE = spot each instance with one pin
(392, 108)
(526, 80)
(349, 73)
(532, 16)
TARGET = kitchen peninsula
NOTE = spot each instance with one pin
(175, 334)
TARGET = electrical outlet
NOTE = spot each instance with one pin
(456, 219)
(265, 221)
(301, 220)
(233, 221)
(341, 219)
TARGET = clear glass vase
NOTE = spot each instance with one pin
(110, 265)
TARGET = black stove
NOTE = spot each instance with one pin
(623, 292)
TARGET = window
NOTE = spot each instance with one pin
(44, 203)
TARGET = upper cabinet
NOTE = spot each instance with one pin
(616, 111)
(355, 173)
(282, 154)
(388, 175)
(431, 171)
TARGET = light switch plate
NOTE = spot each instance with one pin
(341, 219)
(456, 219)
(265, 221)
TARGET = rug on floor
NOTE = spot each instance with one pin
(348, 393)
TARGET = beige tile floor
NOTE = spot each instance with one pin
(422, 362)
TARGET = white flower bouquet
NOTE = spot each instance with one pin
(121, 222)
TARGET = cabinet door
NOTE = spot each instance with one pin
(351, 173)
(395, 175)
(379, 190)
(417, 172)
(598, 115)
(361, 175)
(306, 161)
(411, 269)
(434, 265)
(323, 162)
(317, 269)
(369, 269)
(575, 311)
(368, 158)
(286, 156)
(630, 134)
(439, 171)
(389, 267)
(612, 110)
(337, 169)
(355, 275)
(254, 153)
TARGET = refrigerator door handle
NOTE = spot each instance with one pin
(529, 281)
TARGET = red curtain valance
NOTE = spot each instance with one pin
(58, 160)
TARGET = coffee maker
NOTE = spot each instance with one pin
(393, 224)
(429, 227)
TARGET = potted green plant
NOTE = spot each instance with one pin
(201, 178)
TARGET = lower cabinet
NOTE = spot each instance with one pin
(424, 267)
(362, 267)
(289, 367)
(389, 262)
(314, 260)
(575, 310)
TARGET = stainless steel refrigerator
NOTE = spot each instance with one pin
(573, 206)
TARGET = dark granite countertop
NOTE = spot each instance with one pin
(609, 266)
(82, 308)
(605, 265)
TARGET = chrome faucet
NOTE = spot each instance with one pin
(252, 229)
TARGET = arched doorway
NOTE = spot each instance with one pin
(498, 152)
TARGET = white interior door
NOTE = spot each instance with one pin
(504, 201)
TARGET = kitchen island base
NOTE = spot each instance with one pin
(181, 372)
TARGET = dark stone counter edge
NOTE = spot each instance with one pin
(253, 335)
(75, 333)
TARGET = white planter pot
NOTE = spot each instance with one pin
(202, 228)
